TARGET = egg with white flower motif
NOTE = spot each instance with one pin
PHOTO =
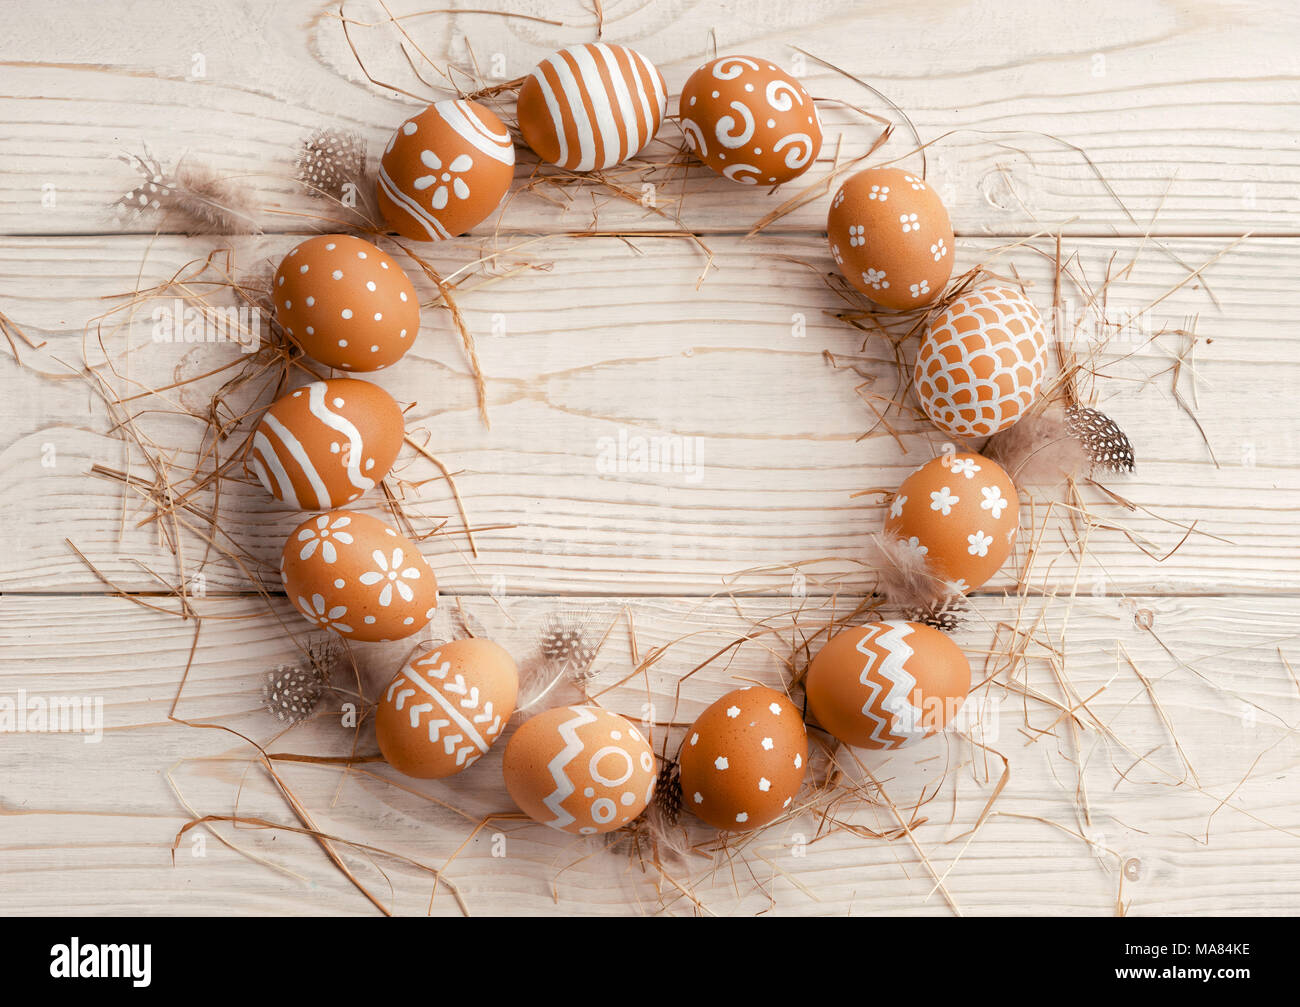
(354, 575)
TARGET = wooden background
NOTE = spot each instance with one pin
(1153, 134)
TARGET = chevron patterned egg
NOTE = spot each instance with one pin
(742, 762)
(325, 444)
(444, 709)
(961, 512)
(750, 121)
(591, 106)
(347, 303)
(445, 170)
(354, 575)
(887, 684)
(580, 769)
(982, 362)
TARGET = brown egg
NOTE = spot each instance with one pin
(325, 444)
(887, 684)
(580, 769)
(591, 106)
(750, 121)
(347, 303)
(981, 364)
(445, 170)
(891, 237)
(440, 713)
(961, 512)
(742, 762)
(351, 573)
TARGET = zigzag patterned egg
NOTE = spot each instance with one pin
(982, 362)
(750, 121)
(887, 684)
(352, 574)
(591, 106)
(325, 444)
(443, 710)
(445, 170)
(580, 769)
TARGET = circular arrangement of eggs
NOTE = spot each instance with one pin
(961, 512)
(442, 712)
(887, 684)
(347, 303)
(982, 362)
(890, 235)
(580, 769)
(743, 759)
(750, 121)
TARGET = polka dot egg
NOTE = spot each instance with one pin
(580, 769)
(347, 303)
(742, 762)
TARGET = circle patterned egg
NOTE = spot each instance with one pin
(982, 362)
(325, 444)
(347, 303)
(444, 709)
(353, 574)
(750, 121)
(743, 760)
(961, 512)
(445, 170)
(891, 237)
(887, 684)
(591, 106)
(580, 769)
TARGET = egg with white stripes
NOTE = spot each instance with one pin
(444, 709)
(327, 443)
(591, 106)
(445, 170)
(887, 684)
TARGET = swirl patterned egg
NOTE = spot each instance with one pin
(444, 709)
(347, 303)
(891, 237)
(742, 762)
(325, 444)
(445, 170)
(961, 513)
(591, 106)
(887, 684)
(750, 121)
(354, 575)
(982, 362)
(580, 769)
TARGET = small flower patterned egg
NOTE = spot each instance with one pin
(591, 106)
(445, 170)
(750, 121)
(961, 512)
(580, 769)
(351, 573)
(982, 362)
(891, 237)
(887, 684)
(346, 303)
(440, 713)
(742, 762)
(325, 444)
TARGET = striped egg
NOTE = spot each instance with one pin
(591, 106)
(325, 444)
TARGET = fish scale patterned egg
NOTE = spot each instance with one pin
(743, 760)
(445, 170)
(325, 444)
(347, 303)
(982, 362)
(591, 106)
